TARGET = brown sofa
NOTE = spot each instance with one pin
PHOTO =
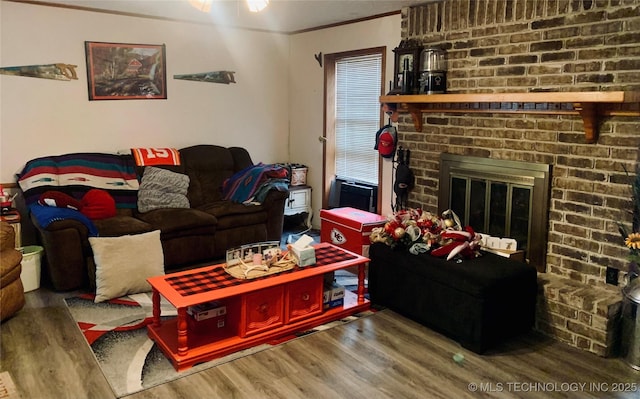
(201, 233)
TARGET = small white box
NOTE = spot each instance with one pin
(332, 292)
(509, 244)
(483, 239)
(207, 310)
(303, 252)
(333, 304)
(298, 176)
(493, 242)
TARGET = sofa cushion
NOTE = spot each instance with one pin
(231, 215)
(11, 298)
(121, 225)
(124, 263)
(161, 188)
(7, 236)
(10, 266)
(185, 220)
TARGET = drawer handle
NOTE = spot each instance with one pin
(305, 297)
(262, 308)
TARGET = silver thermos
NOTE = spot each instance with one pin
(433, 71)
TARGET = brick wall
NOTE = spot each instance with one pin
(559, 45)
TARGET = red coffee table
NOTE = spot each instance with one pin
(258, 310)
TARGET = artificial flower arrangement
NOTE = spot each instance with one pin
(421, 231)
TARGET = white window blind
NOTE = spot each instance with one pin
(357, 117)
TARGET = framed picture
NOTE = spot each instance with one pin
(117, 71)
(407, 63)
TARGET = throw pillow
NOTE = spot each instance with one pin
(98, 204)
(124, 263)
(162, 188)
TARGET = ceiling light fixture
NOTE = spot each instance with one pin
(257, 5)
(205, 5)
(201, 5)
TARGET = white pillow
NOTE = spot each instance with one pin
(124, 263)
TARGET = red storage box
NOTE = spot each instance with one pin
(349, 228)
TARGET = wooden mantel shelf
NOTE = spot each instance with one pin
(590, 105)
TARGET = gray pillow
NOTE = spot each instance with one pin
(161, 188)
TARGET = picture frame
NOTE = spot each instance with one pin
(121, 71)
(247, 251)
(407, 54)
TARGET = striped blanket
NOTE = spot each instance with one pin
(75, 174)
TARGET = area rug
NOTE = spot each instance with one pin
(131, 362)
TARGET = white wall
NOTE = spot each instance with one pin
(306, 93)
(275, 110)
(47, 117)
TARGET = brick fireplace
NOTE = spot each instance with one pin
(554, 45)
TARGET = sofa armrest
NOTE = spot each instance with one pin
(66, 247)
(274, 204)
(68, 254)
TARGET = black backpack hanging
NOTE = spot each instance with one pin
(404, 179)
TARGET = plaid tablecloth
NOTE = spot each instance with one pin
(202, 281)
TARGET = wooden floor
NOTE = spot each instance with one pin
(380, 356)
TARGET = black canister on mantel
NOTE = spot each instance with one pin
(433, 71)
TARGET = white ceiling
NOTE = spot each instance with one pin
(280, 16)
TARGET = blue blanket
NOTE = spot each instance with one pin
(243, 185)
(45, 215)
(271, 184)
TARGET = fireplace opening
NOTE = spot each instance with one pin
(506, 199)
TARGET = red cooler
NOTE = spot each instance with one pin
(349, 228)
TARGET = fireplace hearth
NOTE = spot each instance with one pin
(506, 199)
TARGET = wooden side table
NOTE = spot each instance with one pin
(13, 218)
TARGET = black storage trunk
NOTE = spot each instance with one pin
(479, 302)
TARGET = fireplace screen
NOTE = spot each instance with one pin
(499, 198)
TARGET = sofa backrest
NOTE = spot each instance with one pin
(208, 166)
(76, 173)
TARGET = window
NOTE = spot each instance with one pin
(353, 85)
(357, 117)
